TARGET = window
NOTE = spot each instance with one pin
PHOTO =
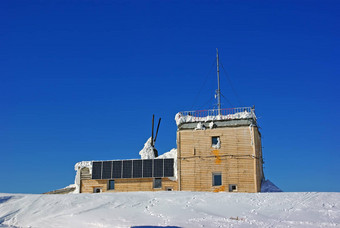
(157, 183)
(111, 185)
(97, 190)
(217, 179)
(232, 187)
(215, 142)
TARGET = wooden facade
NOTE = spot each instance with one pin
(127, 185)
(238, 160)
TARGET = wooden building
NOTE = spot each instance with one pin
(128, 176)
(217, 150)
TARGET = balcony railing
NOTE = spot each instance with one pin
(215, 114)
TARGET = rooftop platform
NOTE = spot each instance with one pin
(222, 117)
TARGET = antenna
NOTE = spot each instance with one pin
(153, 118)
(218, 92)
(153, 140)
(159, 122)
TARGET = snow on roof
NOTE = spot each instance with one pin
(213, 115)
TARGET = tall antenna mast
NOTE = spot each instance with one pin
(218, 92)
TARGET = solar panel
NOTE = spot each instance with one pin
(133, 168)
(158, 168)
(127, 169)
(96, 170)
(117, 169)
(147, 168)
(168, 167)
(107, 165)
(137, 169)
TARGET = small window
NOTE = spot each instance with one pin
(168, 188)
(217, 179)
(97, 190)
(157, 183)
(215, 142)
(232, 188)
(111, 185)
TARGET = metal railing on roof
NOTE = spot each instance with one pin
(215, 112)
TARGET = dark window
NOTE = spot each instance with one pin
(232, 187)
(111, 184)
(157, 183)
(215, 142)
(217, 179)
(97, 190)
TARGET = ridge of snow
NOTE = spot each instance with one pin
(179, 118)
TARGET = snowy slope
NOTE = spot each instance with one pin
(174, 209)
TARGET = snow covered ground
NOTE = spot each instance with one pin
(171, 209)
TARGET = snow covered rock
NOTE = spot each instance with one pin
(148, 151)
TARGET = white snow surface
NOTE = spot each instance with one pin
(147, 151)
(179, 118)
(171, 209)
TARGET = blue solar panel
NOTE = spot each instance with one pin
(127, 169)
(137, 169)
(147, 168)
(97, 170)
(133, 168)
(117, 169)
(168, 167)
(106, 174)
(158, 168)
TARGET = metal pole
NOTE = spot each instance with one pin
(152, 142)
(218, 86)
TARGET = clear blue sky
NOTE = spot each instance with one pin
(80, 80)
